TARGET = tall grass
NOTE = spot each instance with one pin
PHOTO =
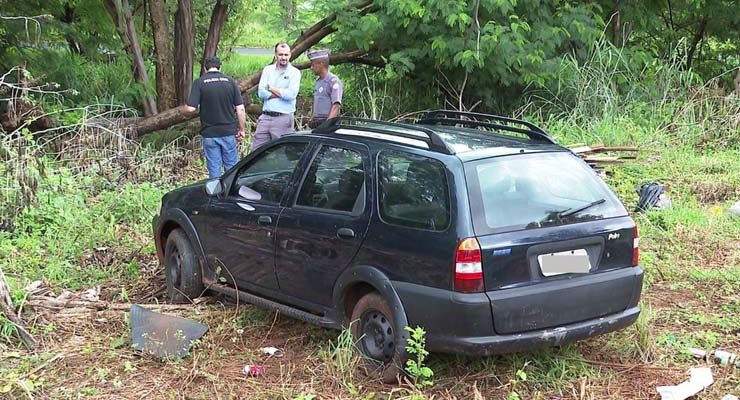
(619, 96)
(243, 65)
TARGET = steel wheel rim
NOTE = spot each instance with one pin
(378, 340)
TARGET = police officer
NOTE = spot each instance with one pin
(327, 94)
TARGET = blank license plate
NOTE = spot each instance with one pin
(564, 262)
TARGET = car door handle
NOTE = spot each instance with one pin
(345, 233)
(264, 220)
(245, 206)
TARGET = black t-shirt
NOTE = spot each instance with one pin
(217, 95)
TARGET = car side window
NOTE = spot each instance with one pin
(413, 191)
(270, 173)
(334, 181)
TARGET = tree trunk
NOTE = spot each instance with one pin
(165, 76)
(321, 29)
(69, 17)
(120, 11)
(695, 42)
(737, 83)
(218, 18)
(184, 38)
(616, 21)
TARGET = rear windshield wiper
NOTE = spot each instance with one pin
(575, 210)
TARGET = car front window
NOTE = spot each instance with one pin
(536, 190)
(335, 181)
(270, 173)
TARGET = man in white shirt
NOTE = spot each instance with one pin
(278, 88)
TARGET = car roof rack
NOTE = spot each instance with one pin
(407, 133)
(476, 120)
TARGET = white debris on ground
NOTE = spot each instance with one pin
(735, 209)
(701, 378)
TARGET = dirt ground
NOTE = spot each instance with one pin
(89, 355)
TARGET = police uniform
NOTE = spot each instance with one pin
(327, 92)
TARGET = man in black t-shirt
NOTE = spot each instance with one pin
(217, 96)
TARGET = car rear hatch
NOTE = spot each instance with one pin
(557, 247)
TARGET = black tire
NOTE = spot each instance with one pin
(378, 338)
(181, 268)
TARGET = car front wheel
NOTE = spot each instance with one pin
(378, 337)
(182, 270)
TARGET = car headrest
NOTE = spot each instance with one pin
(423, 171)
(351, 181)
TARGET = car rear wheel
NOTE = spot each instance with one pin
(182, 270)
(378, 337)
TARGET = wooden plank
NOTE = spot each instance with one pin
(587, 149)
(619, 148)
(603, 160)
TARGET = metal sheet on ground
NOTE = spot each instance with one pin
(161, 335)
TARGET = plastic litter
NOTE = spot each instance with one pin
(253, 370)
(272, 351)
(652, 195)
(729, 397)
(721, 357)
(698, 353)
(701, 378)
(735, 209)
(163, 335)
(724, 358)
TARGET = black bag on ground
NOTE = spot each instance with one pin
(649, 195)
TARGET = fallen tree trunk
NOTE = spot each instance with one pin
(310, 37)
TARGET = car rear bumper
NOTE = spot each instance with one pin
(463, 323)
(500, 344)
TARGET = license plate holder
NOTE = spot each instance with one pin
(564, 262)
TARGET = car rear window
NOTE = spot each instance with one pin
(528, 191)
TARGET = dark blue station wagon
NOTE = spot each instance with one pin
(479, 228)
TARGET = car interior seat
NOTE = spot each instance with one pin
(351, 182)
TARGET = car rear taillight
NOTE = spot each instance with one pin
(635, 247)
(468, 267)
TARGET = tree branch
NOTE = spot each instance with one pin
(6, 307)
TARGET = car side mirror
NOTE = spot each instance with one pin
(249, 193)
(214, 187)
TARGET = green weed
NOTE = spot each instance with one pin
(420, 374)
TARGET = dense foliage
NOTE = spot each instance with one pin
(461, 53)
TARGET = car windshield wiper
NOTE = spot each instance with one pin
(575, 210)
